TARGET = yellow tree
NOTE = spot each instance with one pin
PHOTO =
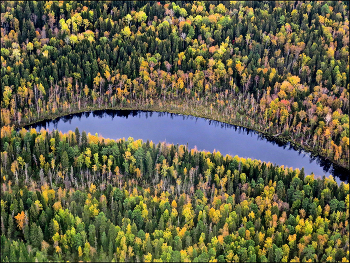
(21, 218)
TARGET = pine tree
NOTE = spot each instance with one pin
(10, 227)
(84, 140)
(77, 135)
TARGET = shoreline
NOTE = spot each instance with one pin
(279, 138)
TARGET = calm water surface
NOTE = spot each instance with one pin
(202, 133)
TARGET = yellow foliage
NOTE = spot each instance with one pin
(58, 250)
(92, 188)
(268, 243)
(148, 257)
(182, 232)
(80, 252)
(57, 205)
(92, 139)
(21, 217)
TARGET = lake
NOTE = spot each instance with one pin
(202, 133)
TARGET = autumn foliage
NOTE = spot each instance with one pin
(128, 200)
(279, 68)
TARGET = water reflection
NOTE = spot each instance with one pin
(197, 131)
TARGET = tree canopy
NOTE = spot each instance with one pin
(65, 198)
(276, 67)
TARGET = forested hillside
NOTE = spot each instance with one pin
(277, 67)
(76, 196)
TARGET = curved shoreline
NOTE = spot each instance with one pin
(194, 113)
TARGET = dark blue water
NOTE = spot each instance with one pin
(202, 133)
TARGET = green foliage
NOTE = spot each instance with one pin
(280, 68)
(277, 68)
(96, 215)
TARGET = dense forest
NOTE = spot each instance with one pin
(80, 197)
(281, 67)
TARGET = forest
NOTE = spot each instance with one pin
(277, 67)
(281, 68)
(82, 197)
